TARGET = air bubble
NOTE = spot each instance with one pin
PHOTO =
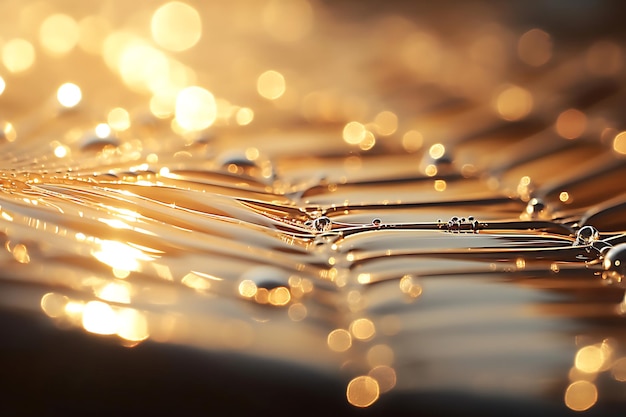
(376, 222)
(536, 209)
(614, 262)
(586, 236)
(322, 224)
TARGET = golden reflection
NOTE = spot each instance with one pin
(119, 256)
(297, 312)
(196, 281)
(176, 26)
(440, 185)
(593, 358)
(132, 325)
(437, 151)
(2, 85)
(618, 369)
(244, 116)
(412, 141)
(69, 95)
(431, 170)
(362, 391)
(565, 197)
(58, 34)
(362, 329)
(354, 133)
(581, 395)
(339, 340)
(247, 288)
(409, 286)
(195, 108)
(535, 47)
(99, 318)
(619, 143)
(571, 124)
(53, 304)
(385, 376)
(386, 123)
(102, 130)
(18, 55)
(279, 296)
(61, 151)
(514, 103)
(93, 30)
(271, 85)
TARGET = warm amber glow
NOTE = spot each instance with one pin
(565, 197)
(410, 286)
(247, 288)
(619, 369)
(271, 85)
(100, 318)
(386, 123)
(53, 304)
(571, 124)
(119, 119)
(116, 292)
(18, 55)
(604, 58)
(581, 395)
(297, 312)
(196, 281)
(93, 30)
(195, 108)
(69, 95)
(102, 130)
(362, 329)
(431, 170)
(362, 391)
(591, 359)
(339, 340)
(20, 253)
(364, 278)
(619, 143)
(354, 133)
(3, 85)
(287, 21)
(176, 26)
(412, 141)
(58, 34)
(385, 376)
(514, 103)
(437, 151)
(279, 296)
(535, 47)
(61, 151)
(119, 256)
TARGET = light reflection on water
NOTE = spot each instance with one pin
(424, 213)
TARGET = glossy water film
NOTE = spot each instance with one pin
(424, 205)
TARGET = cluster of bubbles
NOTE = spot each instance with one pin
(613, 257)
(460, 224)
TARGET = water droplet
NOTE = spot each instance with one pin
(322, 224)
(587, 235)
(614, 262)
(536, 209)
(376, 222)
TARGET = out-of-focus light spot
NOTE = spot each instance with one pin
(119, 119)
(565, 197)
(362, 391)
(437, 151)
(385, 376)
(386, 123)
(619, 369)
(99, 318)
(102, 130)
(244, 116)
(520, 263)
(354, 133)
(431, 170)
(364, 278)
(287, 21)
(412, 141)
(339, 340)
(247, 288)
(176, 26)
(535, 47)
(514, 103)
(571, 124)
(195, 108)
(119, 256)
(69, 95)
(271, 85)
(18, 55)
(20, 253)
(380, 355)
(197, 282)
(116, 292)
(162, 106)
(61, 151)
(368, 141)
(93, 30)
(59, 34)
(252, 154)
(143, 68)
(132, 325)
(440, 185)
(297, 312)
(604, 58)
(410, 286)
(279, 296)
(581, 395)
(619, 143)
(591, 359)
(53, 304)
(362, 329)
(152, 158)
(3, 85)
